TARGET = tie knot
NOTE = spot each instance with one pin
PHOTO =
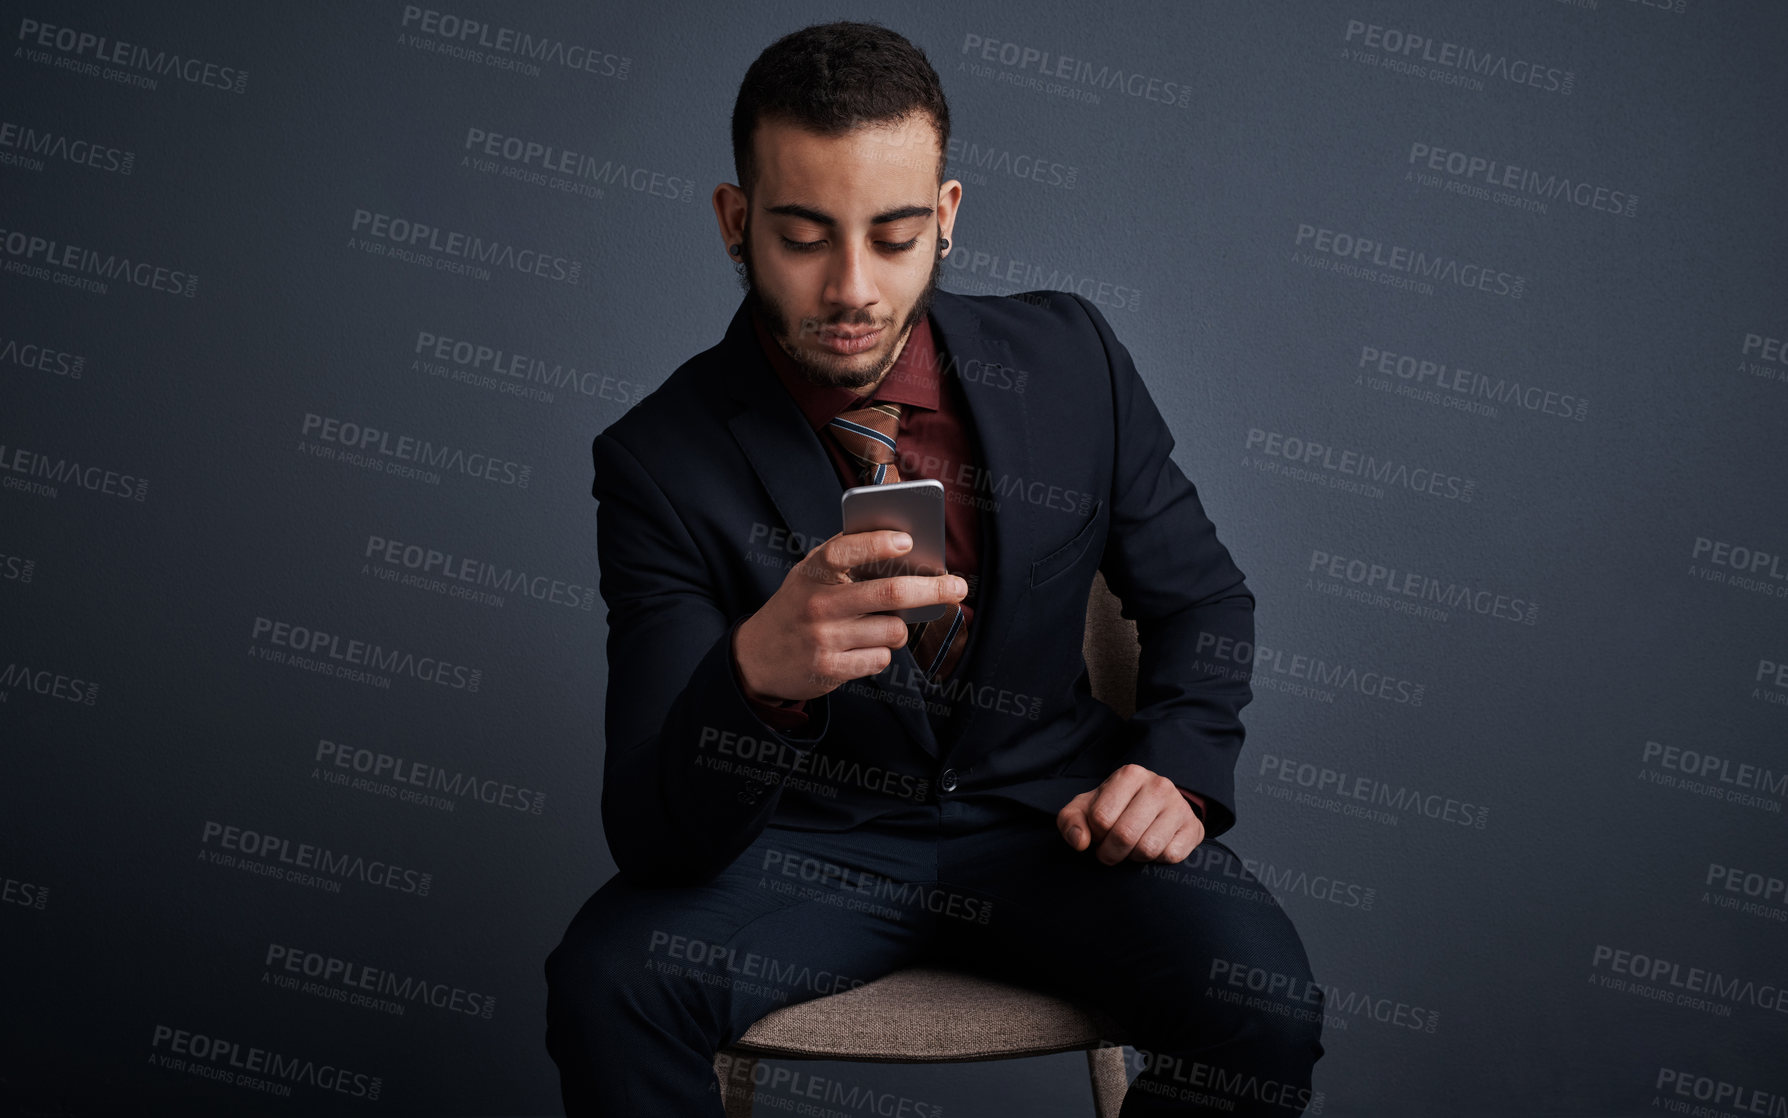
(867, 435)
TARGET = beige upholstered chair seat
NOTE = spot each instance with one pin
(929, 1015)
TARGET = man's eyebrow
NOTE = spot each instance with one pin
(793, 209)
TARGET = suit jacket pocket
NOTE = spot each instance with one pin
(1065, 556)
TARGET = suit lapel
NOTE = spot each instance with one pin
(796, 471)
(1001, 425)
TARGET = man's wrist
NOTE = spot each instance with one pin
(761, 699)
(746, 690)
(1197, 802)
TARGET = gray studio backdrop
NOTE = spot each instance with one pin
(1468, 318)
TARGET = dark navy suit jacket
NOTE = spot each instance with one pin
(713, 485)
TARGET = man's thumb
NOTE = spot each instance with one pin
(1075, 827)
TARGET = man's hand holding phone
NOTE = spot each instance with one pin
(824, 627)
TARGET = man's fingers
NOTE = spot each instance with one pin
(1185, 841)
(872, 631)
(1071, 821)
(837, 555)
(882, 595)
(1135, 814)
(842, 667)
(877, 587)
(1124, 833)
(1113, 797)
(1155, 839)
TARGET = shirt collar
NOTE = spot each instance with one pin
(912, 380)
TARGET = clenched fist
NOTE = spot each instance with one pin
(1136, 814)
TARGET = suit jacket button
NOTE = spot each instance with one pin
(948, 780)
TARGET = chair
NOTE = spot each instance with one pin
(924, 1014)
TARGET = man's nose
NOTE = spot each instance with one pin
(851, 282)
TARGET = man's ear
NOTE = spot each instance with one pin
(949, 196)
(730, 207)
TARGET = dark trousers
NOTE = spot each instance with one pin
(1199, 968)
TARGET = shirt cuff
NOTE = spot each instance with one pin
(789, 716)
(1195, 800)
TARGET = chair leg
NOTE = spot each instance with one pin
(738, 1090)
(1110, 1079)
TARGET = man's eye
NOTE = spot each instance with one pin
(813, 246)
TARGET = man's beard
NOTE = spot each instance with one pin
(777, 319)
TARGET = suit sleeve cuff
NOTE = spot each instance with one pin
(1190, 760)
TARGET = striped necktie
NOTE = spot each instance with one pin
(867, 435)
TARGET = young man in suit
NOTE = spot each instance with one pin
(802, 792)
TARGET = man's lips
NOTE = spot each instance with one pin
(853, 341)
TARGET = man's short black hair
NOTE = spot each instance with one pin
(832, 77)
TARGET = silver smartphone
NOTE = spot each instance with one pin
(914, 507)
